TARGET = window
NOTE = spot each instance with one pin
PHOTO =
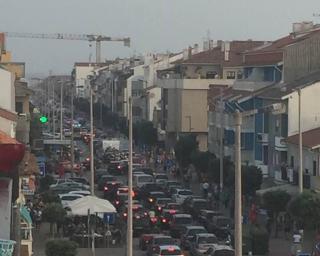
(292, 161)
(211, 75)
(265, 155)
(231, 75)
(19, 107)
(239, 74)
(314, 168)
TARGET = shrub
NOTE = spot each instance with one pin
(61, 248)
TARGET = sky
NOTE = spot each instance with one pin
(153, 25)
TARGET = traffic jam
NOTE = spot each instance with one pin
(168, 218)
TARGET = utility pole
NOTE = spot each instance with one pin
(129, 223)
(91, 141)
(53, 112)
(238, 193)
(61, 112)
(300, 146)
(221, 139)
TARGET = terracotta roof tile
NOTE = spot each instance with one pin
(310, 139)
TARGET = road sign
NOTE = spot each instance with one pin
(109, 218)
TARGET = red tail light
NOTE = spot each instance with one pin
(164, 221)
(119, 167)
(154, 219)
(117, 202)
(125, 214)
(172, 211)
(106, 188)
(159, 208)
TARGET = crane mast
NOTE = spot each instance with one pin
(80, 37)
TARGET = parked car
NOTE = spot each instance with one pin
(81, 192)
(202, 242)
(166, 217)
(60, 181)
(188, 233)
(160, 203)
(152, 197)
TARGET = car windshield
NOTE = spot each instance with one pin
(224, 252)
(163, 241)
(171, 252)
(207, 240)
(145, 179)
(163, 200)
(183, 220)
(162, 176)
(193, 232)
(185, 193)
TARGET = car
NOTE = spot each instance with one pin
(144, 191)
(152, 197)
(220, 226)
(195, 205)
(145, 170)
(159, 240)
(81, 180)
(98, 173)
(171, 183)
(140, 217)
(60, 181)
(205, 217)
(167, 250)
(160, 177)
(81, 192)
(110, 189)
(201, 243)
(220, 250)
(178, 222)
(166, 217)
(117, 167)
(139, 180)
(160, 203)
(144, 241)
(173, 206)
(179, 195)
(67, 198)
(103, 179)
(188, 233)
(70, 186)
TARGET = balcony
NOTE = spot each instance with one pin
(191, 84)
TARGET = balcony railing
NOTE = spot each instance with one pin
(6, 247)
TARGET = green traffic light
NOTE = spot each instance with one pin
(43, 119)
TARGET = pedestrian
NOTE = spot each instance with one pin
(287, 226)
(205, 188)
(38, 218)
(296, 243)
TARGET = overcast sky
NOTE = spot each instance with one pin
(153, 25)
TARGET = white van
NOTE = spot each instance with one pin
(139, 180)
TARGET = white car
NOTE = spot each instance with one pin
(202, 243)
(166, 250)
(60, 181)
(81, 192)
(180, 194)
(67, 198)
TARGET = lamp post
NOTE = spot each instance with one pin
(300, 146)
(129, 223)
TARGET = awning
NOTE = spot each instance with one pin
(290, 189)
(11, 152)
(25, 215)
(81, 206)
(310, 139)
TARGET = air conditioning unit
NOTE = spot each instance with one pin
(262, 138)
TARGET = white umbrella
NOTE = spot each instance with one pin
(93, 204)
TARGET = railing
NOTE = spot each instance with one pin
(6, 247)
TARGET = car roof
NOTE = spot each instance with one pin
(199, 200)
(80, 191)
(182, 215)
(205, 235)
(67, 194)
(156, 192)
(166, 247)
(183, 189)
(195, 227)
(161, 236)
(222, 247)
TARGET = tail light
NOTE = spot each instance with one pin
(113, 183)
(117, 202)
(154, 219)
(145, 214)
(172, 211)
(106, 188)
(164, 221)
(159, 208)
(119, 167)
(125, 214)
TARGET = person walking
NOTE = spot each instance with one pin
(296, 243)
(205, 189)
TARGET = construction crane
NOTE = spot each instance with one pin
(91, 38)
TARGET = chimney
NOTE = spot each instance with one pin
(226, 50)
(185, 54)
(189, 52)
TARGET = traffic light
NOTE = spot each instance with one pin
(43, 119)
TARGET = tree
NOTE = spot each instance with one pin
(53, 213)
(184, 148)
(144, 133)
(61, 248)
(201, 161)
(305, 210)
(251, 179)
(276, 202)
